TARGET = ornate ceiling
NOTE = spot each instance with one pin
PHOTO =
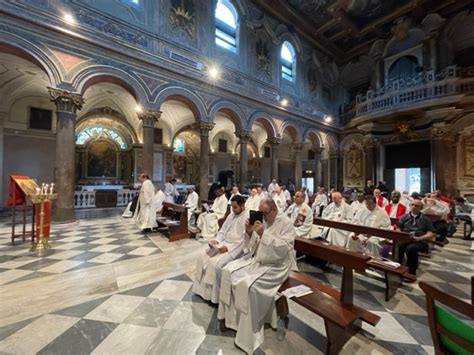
(345, 29)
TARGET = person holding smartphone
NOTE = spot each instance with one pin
(421, 230)
(249, 284)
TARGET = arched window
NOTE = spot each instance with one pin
(287, 58)
(179, 145)
(100, 132)
(226, 25)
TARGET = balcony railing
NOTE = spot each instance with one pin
(86, 199)
(422, 87)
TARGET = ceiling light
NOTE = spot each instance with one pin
(284, 102)
(69, 18)
(213, 73)
(327, 118)
(138, 109)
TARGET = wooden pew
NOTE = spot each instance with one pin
(341, 320)
(393, 276)
(175, 218)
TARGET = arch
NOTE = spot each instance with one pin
(91, 75)
(190, 99)
(227, 25)
(14, 45)
(91, 133)
(293, 131)
(287, 60)
(267, 122)
(395, 46)
(314, 136)
(350, 139)
(234, 112)
(331, 142)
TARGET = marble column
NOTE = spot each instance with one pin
(149, 118)
(204, 129)
(274, 143)
(298, 147)
(379, 72)
(370, 159)
(333, 168)
(67, 104)
(318, 167)
(244, 138)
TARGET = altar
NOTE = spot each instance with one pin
(101, 196)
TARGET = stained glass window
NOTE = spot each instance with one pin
(287, 58)
(179, 145)
(226, 25)
(97, 131)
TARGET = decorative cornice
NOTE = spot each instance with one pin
(274, 141)
(204, 127)
(66, 101)
(243, 135)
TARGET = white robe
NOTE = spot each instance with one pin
(304, 229)
(146, 216)
(191, 203)
(253, 203)
(287, 195)
(436, 208)
(170, 192)
(280, 201)
(339, 213)
(159, 199)
(377, 218)
(319, 200)
(249, 284)
(355, 207)
(271, 189)
(232, 195)
(208, 222)
(209, 266)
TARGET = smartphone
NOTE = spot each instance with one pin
(255, 216)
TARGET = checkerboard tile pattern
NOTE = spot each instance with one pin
(83, 244)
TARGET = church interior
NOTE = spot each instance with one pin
(137, 138)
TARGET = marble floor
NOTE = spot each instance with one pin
(104, 287)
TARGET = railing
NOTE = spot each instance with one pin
(423, 87)
(86, 199)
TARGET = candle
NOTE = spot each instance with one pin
(38, 190)
(42, 188)
(51, 188)
(46, 189)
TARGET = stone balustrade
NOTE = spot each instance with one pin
(421, 87)
(86, 199)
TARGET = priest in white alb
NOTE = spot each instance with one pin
(253, 202)
(226, 247)
(300, 215)
(249, 284)
(145, 218)
(170, 191)
(208, 221)
(191, 202)
(370, 216)
(159, 199)
(338, 210)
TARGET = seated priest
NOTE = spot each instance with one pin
(381, 201)
(226, 247)
(253, 201)
(300, 215)
(234, 192)
(287, 194)
(279, 198)
(321, 200)
(370, 216)
(433, 206)
(421, 230)
(249, 284)
(338, 210)
(159, 199)
(463, 211)
(395, 209)
(208, 221)
(145, 218)
(357, 205)
(191, 203)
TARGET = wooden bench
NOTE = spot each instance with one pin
(393, 276)
(341, 320)
(175, 218)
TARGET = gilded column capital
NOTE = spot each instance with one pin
(369, 142)
(441, 132)
(243, 135)
(298, 147)
(149, 117)
(204, 127)
(66, 101)
(274, 141)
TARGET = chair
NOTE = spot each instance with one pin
(451, 335)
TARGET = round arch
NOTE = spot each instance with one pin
(314, 136)
(234, 113)
(19, 47)
(106, 74)
(292, 130)
(267, 122)
(187, 97)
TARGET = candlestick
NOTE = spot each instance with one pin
(38, 190)
(52, 188)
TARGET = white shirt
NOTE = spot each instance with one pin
(192, 201)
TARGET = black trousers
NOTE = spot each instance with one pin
(411, 250)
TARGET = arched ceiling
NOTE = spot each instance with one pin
(20, 78)
(176, 115)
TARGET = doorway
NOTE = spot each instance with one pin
(408, 180)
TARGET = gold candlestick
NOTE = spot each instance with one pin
(41, 244)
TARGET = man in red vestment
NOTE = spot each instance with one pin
(395, 209)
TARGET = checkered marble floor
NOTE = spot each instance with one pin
(164, 317)
(79, 245)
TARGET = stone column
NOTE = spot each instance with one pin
(443, 158)
(149, 118)
(204, 129)
(333, 168)
(298, 164)
(318, 167)
(244, 138)
(274, 143)
(67, 104)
